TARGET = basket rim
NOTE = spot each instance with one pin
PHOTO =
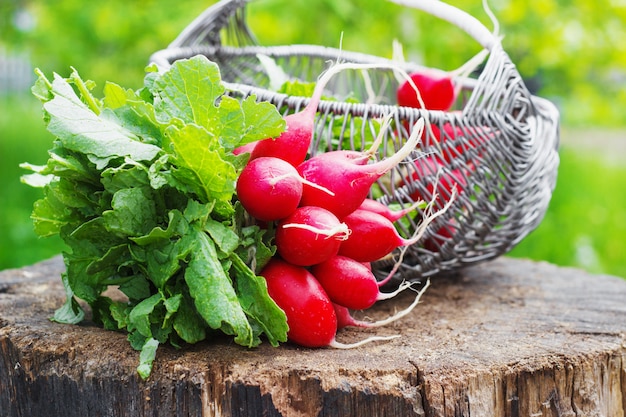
(164, 59)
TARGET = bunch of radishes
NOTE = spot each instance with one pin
(327, 229)
(458, 148)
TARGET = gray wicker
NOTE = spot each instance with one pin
(510, 137)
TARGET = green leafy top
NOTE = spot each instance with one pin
(140, 185)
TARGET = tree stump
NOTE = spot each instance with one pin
(505, 338)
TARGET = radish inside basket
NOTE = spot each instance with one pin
(494, 152)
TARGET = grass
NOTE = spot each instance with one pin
(586, 222)
(584, 226)
(23, 138)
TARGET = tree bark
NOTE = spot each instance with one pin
(504, 338)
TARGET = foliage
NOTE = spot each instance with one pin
(545, 38)
(567, 50)
(586, 221)
(109, 40)
(140, 185)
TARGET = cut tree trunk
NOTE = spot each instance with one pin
(504, 338)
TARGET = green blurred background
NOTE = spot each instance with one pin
(570, 52)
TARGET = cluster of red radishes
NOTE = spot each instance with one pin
(437, 90)
(327, 230)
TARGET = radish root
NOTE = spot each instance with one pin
(404, 312)
(338, 345)
(387, 295)
(398, 315)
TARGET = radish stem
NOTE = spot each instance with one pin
(395, 159)
(381, 135)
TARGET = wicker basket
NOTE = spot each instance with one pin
(509, 138)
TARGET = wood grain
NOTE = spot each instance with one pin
(504, 338)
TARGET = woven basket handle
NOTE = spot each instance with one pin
(207, 26)
(457, 17)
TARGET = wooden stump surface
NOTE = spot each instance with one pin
(504, 338)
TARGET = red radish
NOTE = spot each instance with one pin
(384, 210)
(428, 89)
(309, 235)
(434, 89)
(345, 319)
(293, 144)
(441, 182)
(372, 236)
(270, 188)
(350, 182)
(310, 314)
(350, 283)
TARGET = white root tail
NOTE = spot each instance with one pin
(338, 345)
(419, 232)
(387, 295)
(398, 315)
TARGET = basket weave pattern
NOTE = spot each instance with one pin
(509, 137)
